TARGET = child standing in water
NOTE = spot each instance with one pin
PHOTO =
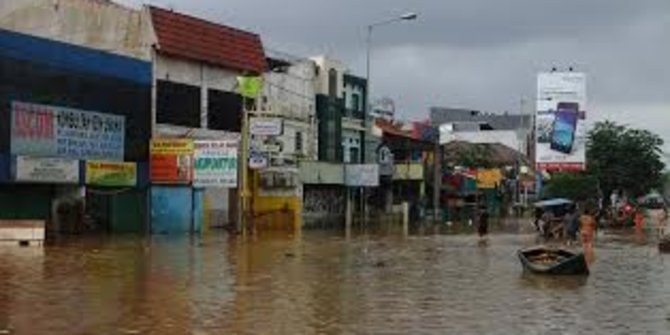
(638, 219)
(587, 229)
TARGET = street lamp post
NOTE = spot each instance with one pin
(404, 17)
(368, 106)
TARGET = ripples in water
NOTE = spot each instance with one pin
(322, 283)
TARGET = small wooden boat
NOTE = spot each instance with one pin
(548, 261)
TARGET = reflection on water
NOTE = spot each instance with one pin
(319, 282)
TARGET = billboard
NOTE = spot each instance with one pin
(41, 130)
(102, 173)
(561, 122)
(171, 160)
(215, 163)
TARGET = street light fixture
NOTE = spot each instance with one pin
(368, 106)
(410, 16)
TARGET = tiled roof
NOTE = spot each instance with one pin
(180, 35)
(392, 129)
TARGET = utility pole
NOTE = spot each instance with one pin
(437, 178)
(244, 171)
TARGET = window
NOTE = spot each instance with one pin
(331, 134)
(353, 155)
(355, 102)
(298, 142)
(224, 111)
(332, 82)
(178, 104)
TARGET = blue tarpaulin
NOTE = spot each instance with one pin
(553, 202)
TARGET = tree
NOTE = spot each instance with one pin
(623, 158)
(475, 156)
(576, 186)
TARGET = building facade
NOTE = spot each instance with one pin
(196, 64)
(75, 110)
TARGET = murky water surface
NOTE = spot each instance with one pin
(320, 282)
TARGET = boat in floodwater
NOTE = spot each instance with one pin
(548, 261)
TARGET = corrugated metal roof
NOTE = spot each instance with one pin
(185, 36)
(441, 115)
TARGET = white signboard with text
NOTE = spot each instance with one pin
(560, 121)
(46, 170)
(265, 126)
(215, 163)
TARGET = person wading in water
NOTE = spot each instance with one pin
(587, 229)
(483, 225)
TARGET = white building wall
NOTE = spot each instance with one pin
(94, 24)
(196, 74)
(292, 96)
(324, 64)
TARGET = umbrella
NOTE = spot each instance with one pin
(553, 202)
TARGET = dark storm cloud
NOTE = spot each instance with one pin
(481, 54)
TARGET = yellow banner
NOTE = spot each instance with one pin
(103, 173)
(172, 146)
(488, 178)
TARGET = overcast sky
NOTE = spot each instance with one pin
(478, 54)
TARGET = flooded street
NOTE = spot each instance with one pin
(321, 282)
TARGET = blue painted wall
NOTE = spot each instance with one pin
(198, 209)
(171, 209)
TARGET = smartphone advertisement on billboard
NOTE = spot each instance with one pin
(561, 121)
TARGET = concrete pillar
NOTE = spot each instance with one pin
(204, 98)
(437, 181)
(405, 218)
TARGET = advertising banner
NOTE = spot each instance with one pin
(105, 173)
(40, 130)
(361, 175)
(171, 160)
(46, 170)
(215, 164)
(560, 122)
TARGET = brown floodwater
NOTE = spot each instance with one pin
(324, 283)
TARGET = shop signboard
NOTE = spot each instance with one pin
(215, 163)
(46, 170)
(561, 125)
(265, 126)
(109, 173)
(257, 160)
(361, 175)
(50, 131)
(171, 160)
